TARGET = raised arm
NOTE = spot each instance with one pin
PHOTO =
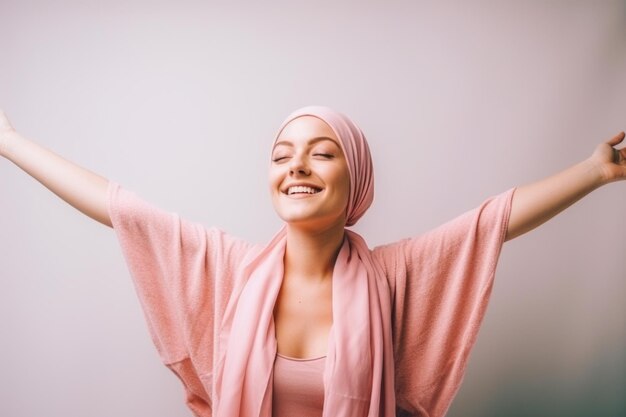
(535, 203)
(79, 187)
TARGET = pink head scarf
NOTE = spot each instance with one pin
(359, 370)
(357, 154)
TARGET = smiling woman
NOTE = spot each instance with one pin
(309, 176)
(315, 323)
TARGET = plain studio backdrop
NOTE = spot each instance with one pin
(180, 101)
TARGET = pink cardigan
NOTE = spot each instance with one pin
(440, 284)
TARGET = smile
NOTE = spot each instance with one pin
(302, 189)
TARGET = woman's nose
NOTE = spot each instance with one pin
(299, 166)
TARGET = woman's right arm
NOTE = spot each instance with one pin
(83, 189)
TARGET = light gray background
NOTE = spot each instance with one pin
(179, 102)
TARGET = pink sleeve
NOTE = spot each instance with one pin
(441, 282)
(183, 274)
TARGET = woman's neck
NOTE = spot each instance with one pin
(311, 255)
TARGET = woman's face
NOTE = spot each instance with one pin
(309, 177)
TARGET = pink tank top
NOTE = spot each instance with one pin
(298, 387)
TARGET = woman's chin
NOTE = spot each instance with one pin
(313, 222)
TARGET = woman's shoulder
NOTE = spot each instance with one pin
(233, 244)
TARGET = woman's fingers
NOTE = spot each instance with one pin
(618, 154)
(4, 121)
(616, 139)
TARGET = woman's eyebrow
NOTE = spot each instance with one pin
(310, 142)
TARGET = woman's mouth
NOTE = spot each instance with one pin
(302, 189)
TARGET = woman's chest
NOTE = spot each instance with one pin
(303, 318)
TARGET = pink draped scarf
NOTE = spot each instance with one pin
(359, 372)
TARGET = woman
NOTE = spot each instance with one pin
(314, 323)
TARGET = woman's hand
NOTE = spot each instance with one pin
(6, 130)
(611, 161)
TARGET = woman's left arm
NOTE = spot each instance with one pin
(535, 203)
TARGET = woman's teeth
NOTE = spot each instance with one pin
(302, 189)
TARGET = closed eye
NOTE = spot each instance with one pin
(324, 155)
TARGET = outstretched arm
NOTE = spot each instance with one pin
(535, 203)
(79, 187)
